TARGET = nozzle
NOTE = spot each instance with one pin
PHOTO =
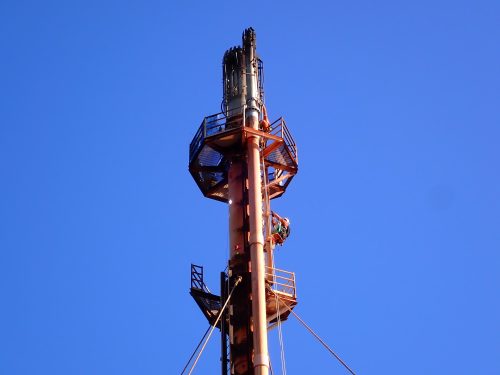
(249, 39)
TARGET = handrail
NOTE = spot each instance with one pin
(211, 125)
(280, 270)
(219, 123)
(282, 281)
(279, 129)
(197, 278)
(196, 142)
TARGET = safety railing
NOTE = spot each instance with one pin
(282, 281)
(215, 124)
(196, 143)
(197, 278)
(279, 129)
(220, 123)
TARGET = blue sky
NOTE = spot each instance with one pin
(395, 210)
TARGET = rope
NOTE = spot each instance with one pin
(315, 335)
(270, 249)
(280, 333)
(280, 336)
(268, 228)
(192, 355)
(238, 280)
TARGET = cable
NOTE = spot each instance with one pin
(192, 355)
(315, 335)
(238, 280)
(280, 332)
(280, 336)
(270, 249)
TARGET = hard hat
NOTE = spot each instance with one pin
(287, 221)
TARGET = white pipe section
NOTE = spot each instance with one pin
(261, 356)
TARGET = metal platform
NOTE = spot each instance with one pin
(283, 293)
(209, 304)
(217, 139)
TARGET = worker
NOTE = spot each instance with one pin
(264, 123)
(281, 228)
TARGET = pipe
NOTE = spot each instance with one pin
(236, 207)
(261, 356)
(239, 309)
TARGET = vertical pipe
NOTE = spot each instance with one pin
(236, 188)
(268, 245)
(239, 253)
(261, 357)
(269, 259)
(261, 360)
(223, 323)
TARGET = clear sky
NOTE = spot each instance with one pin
(395, 211)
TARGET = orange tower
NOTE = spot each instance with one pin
(238, 157)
